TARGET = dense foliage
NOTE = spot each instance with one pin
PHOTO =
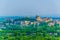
(30, 32)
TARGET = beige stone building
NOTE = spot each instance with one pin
(38, 18)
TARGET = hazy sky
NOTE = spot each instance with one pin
(29, 7)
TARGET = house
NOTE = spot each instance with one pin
(47, 19)
(58, 22)
(27, 22)
(51, 24)
(32, 22)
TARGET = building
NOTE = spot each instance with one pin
(47, 19)
(58, 22)
(27, 22)
(51, 24)
(38, 18)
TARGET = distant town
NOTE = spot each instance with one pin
(29, 28)
(25, 21)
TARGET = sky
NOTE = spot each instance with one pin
(30, 8)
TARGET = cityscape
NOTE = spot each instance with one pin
(29, 28)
